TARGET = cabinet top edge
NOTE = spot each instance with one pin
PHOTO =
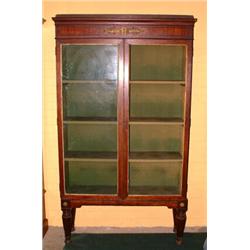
(123, 18)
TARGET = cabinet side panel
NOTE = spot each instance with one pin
(187, 116)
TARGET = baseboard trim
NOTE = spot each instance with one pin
(136, 229)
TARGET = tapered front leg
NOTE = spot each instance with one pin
(180, 220)
(73, 214)
(174, 215)
(67, 223)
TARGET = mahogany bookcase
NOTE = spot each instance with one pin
(123, 112)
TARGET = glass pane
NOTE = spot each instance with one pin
(155, 178)
(91, 177)
(89, 78)
(90, 100)
(157, 94)
(89, 62)
(153, 100)
(90, 137)
(155, 138)
(157, 62)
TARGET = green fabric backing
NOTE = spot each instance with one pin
(155, 178)
(157, 62)
(90, 100)
(91, 137)
(156, 100)
(165, 138)
(91, 177)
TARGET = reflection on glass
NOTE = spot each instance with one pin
(89, 62)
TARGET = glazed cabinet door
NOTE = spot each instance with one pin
(156, 79)
(91, 89)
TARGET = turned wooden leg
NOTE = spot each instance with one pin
(67, 223)
(180, 220)
(73, 215)
(174, 215)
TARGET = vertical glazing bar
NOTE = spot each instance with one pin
(121, 137)
(126, 121)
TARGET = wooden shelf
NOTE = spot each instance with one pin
(90, 120)
(91, 189)
(154, 190)
(154, 156)
(91, 156)
(133, 156)
(87, 81)
(158, 82)
(149, 120)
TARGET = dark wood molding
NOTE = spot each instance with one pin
(124, 26)
(123, 31)
(140, 18)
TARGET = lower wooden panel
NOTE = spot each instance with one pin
(172, 201)
(170, 204)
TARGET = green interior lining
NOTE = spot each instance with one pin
(163, 138)
(155, 178)
(91, 177)
(149, 100)
(157, 62)
(91, 137)
(90, 100)
(89, 62)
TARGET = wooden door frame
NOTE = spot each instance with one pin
(120, 127)
(187, 105)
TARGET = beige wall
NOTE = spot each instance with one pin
(127, 216)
